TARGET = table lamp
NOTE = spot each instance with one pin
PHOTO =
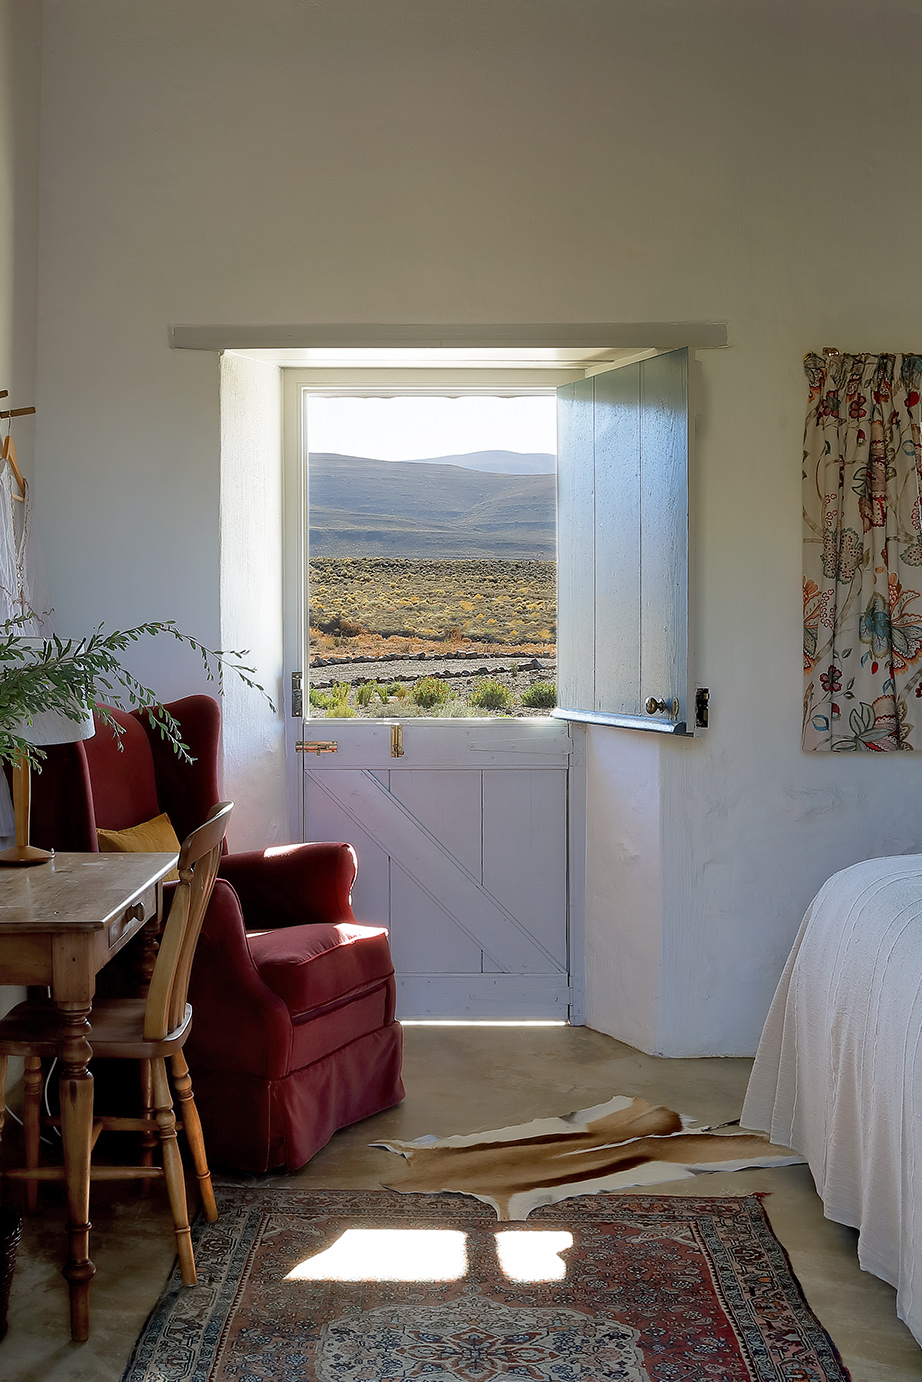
(47, 727)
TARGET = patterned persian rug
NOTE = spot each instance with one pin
(370, 1286)
(609, 1147)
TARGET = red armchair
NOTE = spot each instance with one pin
(293, 1032)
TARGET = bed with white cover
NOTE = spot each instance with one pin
(838, 1074)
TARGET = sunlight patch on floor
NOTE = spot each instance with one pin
(432, 1254)
(388, 1254)
(526, 1255)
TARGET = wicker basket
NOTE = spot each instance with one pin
(10, 1236)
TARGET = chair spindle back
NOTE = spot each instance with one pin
(199, 859)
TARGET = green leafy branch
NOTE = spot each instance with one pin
(70, 676)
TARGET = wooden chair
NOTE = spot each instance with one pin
(150, 1030)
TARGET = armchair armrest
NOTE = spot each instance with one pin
(225, 980)
(292, 885)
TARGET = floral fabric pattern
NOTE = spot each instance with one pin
(862, 482)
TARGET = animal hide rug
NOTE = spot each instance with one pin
(609, 1147)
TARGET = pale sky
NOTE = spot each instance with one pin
(406, 429)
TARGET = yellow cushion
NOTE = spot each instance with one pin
(150, 837)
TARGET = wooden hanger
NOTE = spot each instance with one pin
(9, 449)
(9, 455)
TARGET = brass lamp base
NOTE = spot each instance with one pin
(22, 855)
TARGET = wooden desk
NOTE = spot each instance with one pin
(60, 924)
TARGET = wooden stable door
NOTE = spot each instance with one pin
(461, 828)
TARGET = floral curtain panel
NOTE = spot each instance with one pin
(863, 553)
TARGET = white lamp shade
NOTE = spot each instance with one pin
(51, 727)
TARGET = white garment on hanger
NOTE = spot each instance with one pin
(23, 588)
(23, 592)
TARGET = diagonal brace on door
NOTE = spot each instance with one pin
(501, 936)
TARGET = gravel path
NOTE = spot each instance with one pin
(457, 670)
(461, 673)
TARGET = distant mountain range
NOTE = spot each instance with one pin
(499, 462)
(448, 507)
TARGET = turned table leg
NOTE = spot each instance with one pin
(150, 941)
(76, 1086)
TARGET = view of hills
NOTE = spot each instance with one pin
(499, 462)
(449, 507)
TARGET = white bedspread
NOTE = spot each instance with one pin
(838, 1074)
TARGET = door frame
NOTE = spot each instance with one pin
(296, 384)
(628, 341)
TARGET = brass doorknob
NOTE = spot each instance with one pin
(651, 705)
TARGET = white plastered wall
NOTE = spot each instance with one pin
(505, 161)
(251, 598)
(20, 84)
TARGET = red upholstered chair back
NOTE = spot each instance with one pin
(94, 784)
(122, 775)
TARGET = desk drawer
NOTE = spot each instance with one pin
(144, 909)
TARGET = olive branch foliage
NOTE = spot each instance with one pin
(71, 675)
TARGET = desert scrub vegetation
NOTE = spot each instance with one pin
(541, 696)
(490, 694)
(434, 697)
(452, 709)
(453, 602)
(430, 691)
(437, 695)
(334, 703)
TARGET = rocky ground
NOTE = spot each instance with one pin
(461, 670)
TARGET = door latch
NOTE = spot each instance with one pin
(396, 741)
(317, 746)
(702, 707)
(297, 697)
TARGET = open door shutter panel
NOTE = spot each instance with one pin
(622, 505)
(575, 543)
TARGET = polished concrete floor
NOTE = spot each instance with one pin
(459, 1079)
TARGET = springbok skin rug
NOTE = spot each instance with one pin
(609, 1147)
(606, 1288)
